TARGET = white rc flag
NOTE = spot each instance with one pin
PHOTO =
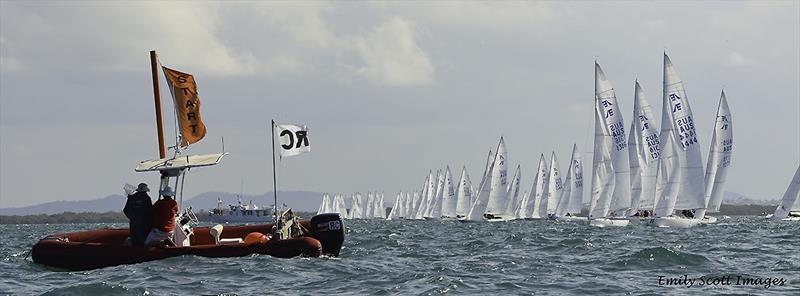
(292, 139)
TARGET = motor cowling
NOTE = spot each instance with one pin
(328, 228)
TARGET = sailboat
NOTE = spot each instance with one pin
(554, 187)
(513, 194)
(532, 204)
(610, 196)
(571, 202)
(643, 144)
(789, 207)
(719, 160)
(100, 248)
(397, 208)
(493, 193)
(464, 194)
(681, 169)
(448, 201)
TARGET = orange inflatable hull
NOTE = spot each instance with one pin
(105, 247)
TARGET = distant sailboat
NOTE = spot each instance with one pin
(498, 193)
(448, 196)
(513, 194)
(491, 198)
(644, 148)
(538, 190)
(554, 187)
(611, 199)
(681, 165)
(464, 194)
(397, 208)
(789, 207)
(571, 202)
(719, 160)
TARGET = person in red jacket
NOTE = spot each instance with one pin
(164, 212)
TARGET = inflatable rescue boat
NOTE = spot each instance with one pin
(100, 248)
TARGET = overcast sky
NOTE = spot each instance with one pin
(389, 90)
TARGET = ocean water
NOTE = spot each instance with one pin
(447, 257)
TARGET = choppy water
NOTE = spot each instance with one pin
(446, 257)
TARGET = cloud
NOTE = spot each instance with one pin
(505, 15)
(735, 58)
(117, 36)
(392, 57)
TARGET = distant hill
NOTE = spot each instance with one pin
(298, 200)
(113, 203)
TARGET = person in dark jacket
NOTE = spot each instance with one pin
(138, 209)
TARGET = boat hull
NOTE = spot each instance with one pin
(708, 220)
(100, 248)
(606, 222)
(571, 218)
(673, 222)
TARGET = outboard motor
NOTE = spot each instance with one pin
(328, 229)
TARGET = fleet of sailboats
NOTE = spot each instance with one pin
(649, 175)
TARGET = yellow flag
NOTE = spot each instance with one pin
(187, 105)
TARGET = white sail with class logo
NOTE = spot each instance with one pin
(538, 191)
(680, 126)
(719, 158)
(613, 128)
(464, 194)
(498, 177)
(644, 148)
(554, 186)
(513, 194)
(790, 203)
(571, 201)
(448, 196)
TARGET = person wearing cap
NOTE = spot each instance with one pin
(164, 212)
(137, 209)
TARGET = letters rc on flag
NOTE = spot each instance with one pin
(292, 139)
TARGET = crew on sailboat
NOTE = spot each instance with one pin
(137, 209)
(164, 212)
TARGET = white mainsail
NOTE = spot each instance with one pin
(435, 209)
(322, 205)
(396, 208)
(481, 198)
(538, 191)
(791, 198)
(380, 210)
(464, 194)
(644, 148)
(498, 194)
(571, 201)
(613, 128)
(355, 210)
(678, 124)
(554, 186)
(419, 205)
(513, 194)
(448, 196)
(602, 172)
(719, 158)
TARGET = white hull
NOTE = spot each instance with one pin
(499, 218)
(793, 219)
(708, 220)
(239, 218)
(673, 222)
(571, 218)
(605, 222)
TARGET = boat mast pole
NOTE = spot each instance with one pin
(162, 151)
(274, 178)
